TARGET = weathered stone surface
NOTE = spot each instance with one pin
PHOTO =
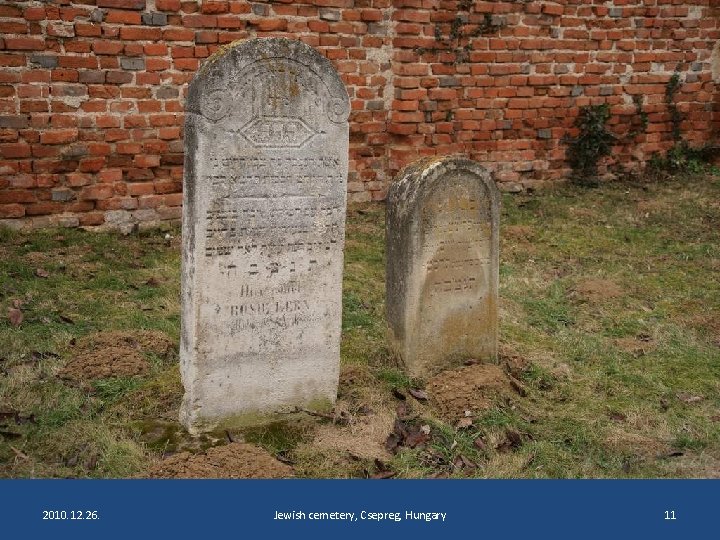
(442, 265)
(266, 162)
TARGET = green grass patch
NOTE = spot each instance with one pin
(621, 381)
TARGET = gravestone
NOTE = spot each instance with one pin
(442, 265)
(266, 160)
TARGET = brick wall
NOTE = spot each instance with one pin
(91, 91)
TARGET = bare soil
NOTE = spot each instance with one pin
(234, 460)
(597, 290)
(635, 346)
(149, 341)
(105, 363)
(523, 233)
(513, 362)
(115, 354)
(468, 391)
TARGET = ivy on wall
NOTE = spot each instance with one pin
(457, 38)
(593, 142)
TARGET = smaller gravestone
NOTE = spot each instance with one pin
(442, 265)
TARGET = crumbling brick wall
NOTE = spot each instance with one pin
(91, 91)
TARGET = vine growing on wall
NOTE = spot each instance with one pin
(681, 157)
(458, 37)
(593, 142)
(640, 114)
(671, 88)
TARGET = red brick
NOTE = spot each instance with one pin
(23, 181)
(173, 199)
(178, 34)
(32, 14)
(25, 44)
(442, 93)
(270, 25)
(139, 33)
(11, 211)
(398, 105)
(128, 148)
(145, 162)
(88, 30)
(118, 77)
(402, 129)
(230, 21)
(110, 175)
(14, 150)
(150, 201)
(371, 15)
(17, 196)
(199, 21)
(167, 5)
(12, 60)
(123, 17)
(488, 92)
(553, 9)
(94, 164)
(149, 106)
(97, 192)
(206, 37)
(411, 15)
(170, 186)
(107, 47)
(78, 179)
(141, 188)
(155, 49)
(13, 27)
(122, 4)
(59, 136)
(214, 7)
(98, 148)
(239, 7)
(39, 209)
(92, 219)
(86, 62)
(169, 133)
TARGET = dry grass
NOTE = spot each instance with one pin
(610, 302)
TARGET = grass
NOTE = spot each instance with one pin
(611, 297)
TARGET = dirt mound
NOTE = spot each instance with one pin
(649, 207)
(36, 257)
(595, 290)
(523, 233)
(584, 213)
(115, 354)
(513, 362)
(235, 460)
(468, 391)
(105, 363)
(706, 321)
(148, 341)
(637, 346)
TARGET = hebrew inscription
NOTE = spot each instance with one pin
(442, 265)
(263, 229)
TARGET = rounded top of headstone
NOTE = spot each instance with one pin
(420, 176)
(227, 65)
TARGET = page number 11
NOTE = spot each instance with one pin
(670, 514)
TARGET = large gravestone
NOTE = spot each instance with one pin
(266, 159)
(442, 265)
